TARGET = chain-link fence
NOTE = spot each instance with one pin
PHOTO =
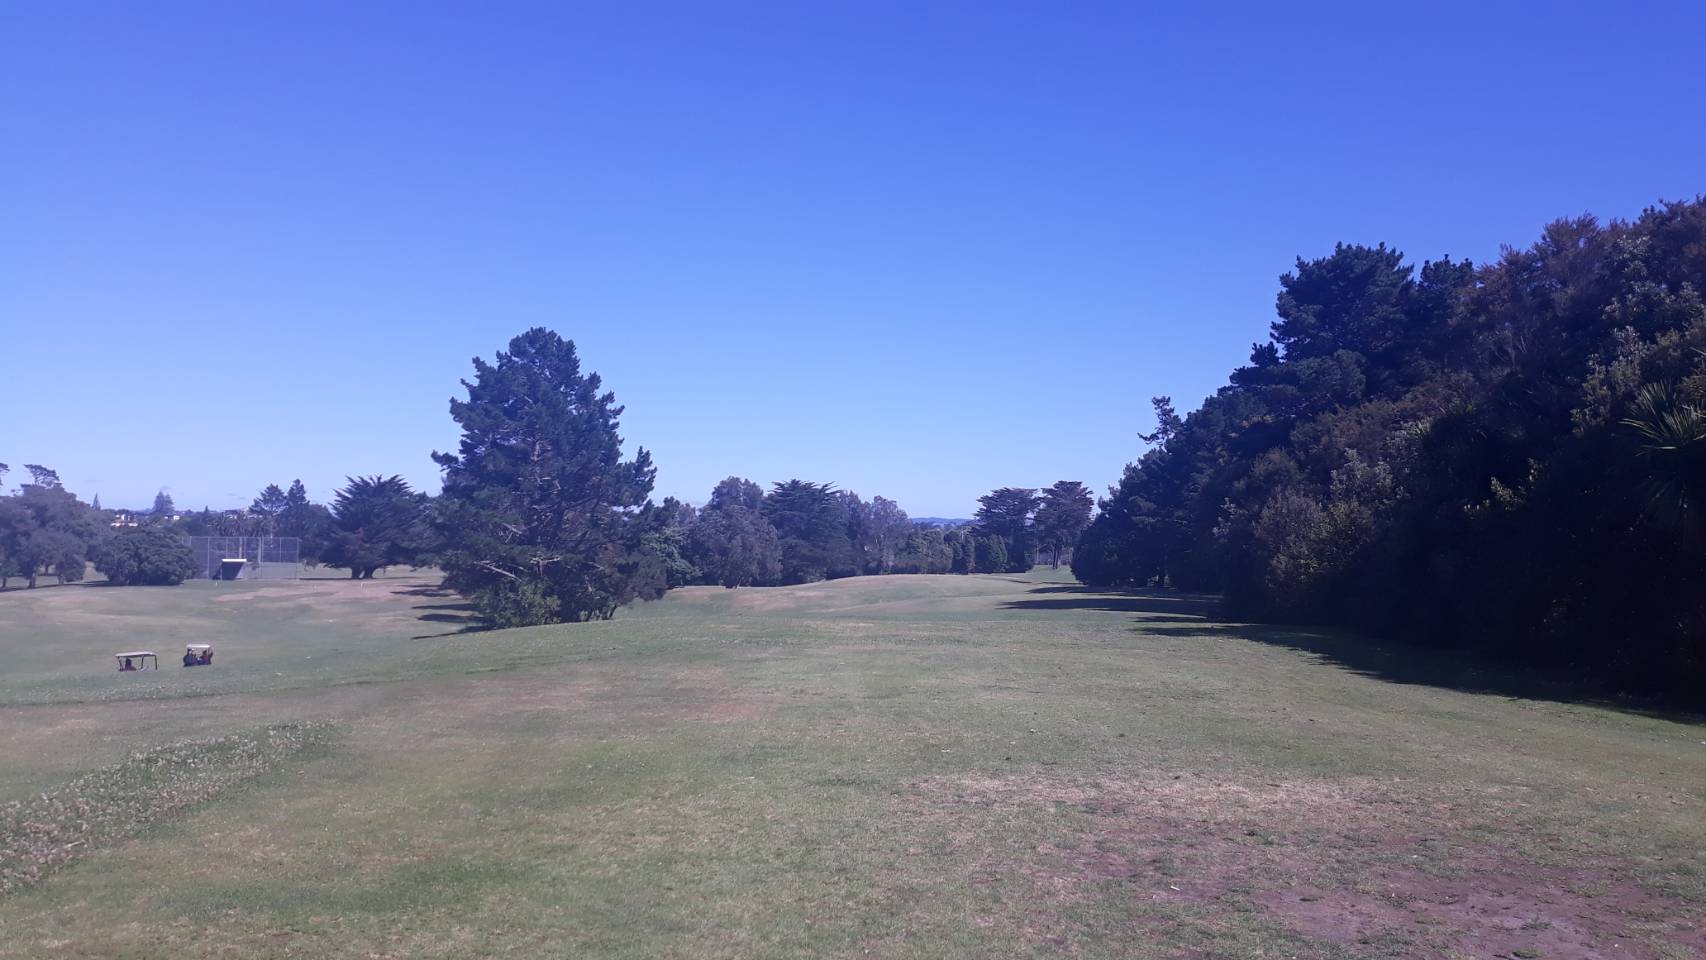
(248, 558)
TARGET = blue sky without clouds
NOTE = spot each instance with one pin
(916, 249)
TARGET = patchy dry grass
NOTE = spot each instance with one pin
(909, 766)
(55, 828)
(1394, 867)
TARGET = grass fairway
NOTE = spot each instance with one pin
(886, 766)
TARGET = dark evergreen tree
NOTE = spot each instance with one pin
(542, 518)
(377, 522)
(1006, 513)
(268, 508)
(989, 555)
(811, 524)
(1506, 458)
(1062, 515)
(310, 522)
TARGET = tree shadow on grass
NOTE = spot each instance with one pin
(1195, 615)
(458, 613)
(1145, 601)
(425, 592)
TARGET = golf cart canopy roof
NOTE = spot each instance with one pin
(135, 653)
(198, 647)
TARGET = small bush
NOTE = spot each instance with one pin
(517, 604)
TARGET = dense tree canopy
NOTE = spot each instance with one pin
(811, 524)
(1006, 514)
(377, 522)
(732, 544)
(1508, 457)
(1061, 516)
(804, 531)
(886, 528)
(45, 529)
(543, 520)
(145, 556)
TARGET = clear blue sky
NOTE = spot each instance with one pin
(919, 250)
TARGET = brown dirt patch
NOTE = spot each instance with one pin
(1399, 868)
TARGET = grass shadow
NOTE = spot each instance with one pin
(424, 592)
(1072, 597)
(1194, 615)
(458, 612)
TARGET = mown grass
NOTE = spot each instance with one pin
(912, 766)
(48, 830)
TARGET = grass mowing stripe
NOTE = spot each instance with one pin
(42, 833)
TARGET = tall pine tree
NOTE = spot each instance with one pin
(543, 520)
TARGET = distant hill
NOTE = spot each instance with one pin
(941, 521)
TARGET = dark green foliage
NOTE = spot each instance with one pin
(802, 532)
(1006, 513)
(736, 492)
(888, 532)
(311, 522)
(1673, 441)
(989, 555)
(667, 544)
(733, 545)
(730, 543)
(927, 550)
(1510, 457)
(812, 524)
(1062, 516)
(41, 476)
(542, 518)
(377, 522)
(964, 551)
(144, 556)
(163, 507)
(268, 508)
(44, 529)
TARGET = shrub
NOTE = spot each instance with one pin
(144, 556)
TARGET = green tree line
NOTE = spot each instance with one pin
(543, 519)
(1508, 458)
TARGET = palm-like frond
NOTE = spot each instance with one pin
(1673, 440)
